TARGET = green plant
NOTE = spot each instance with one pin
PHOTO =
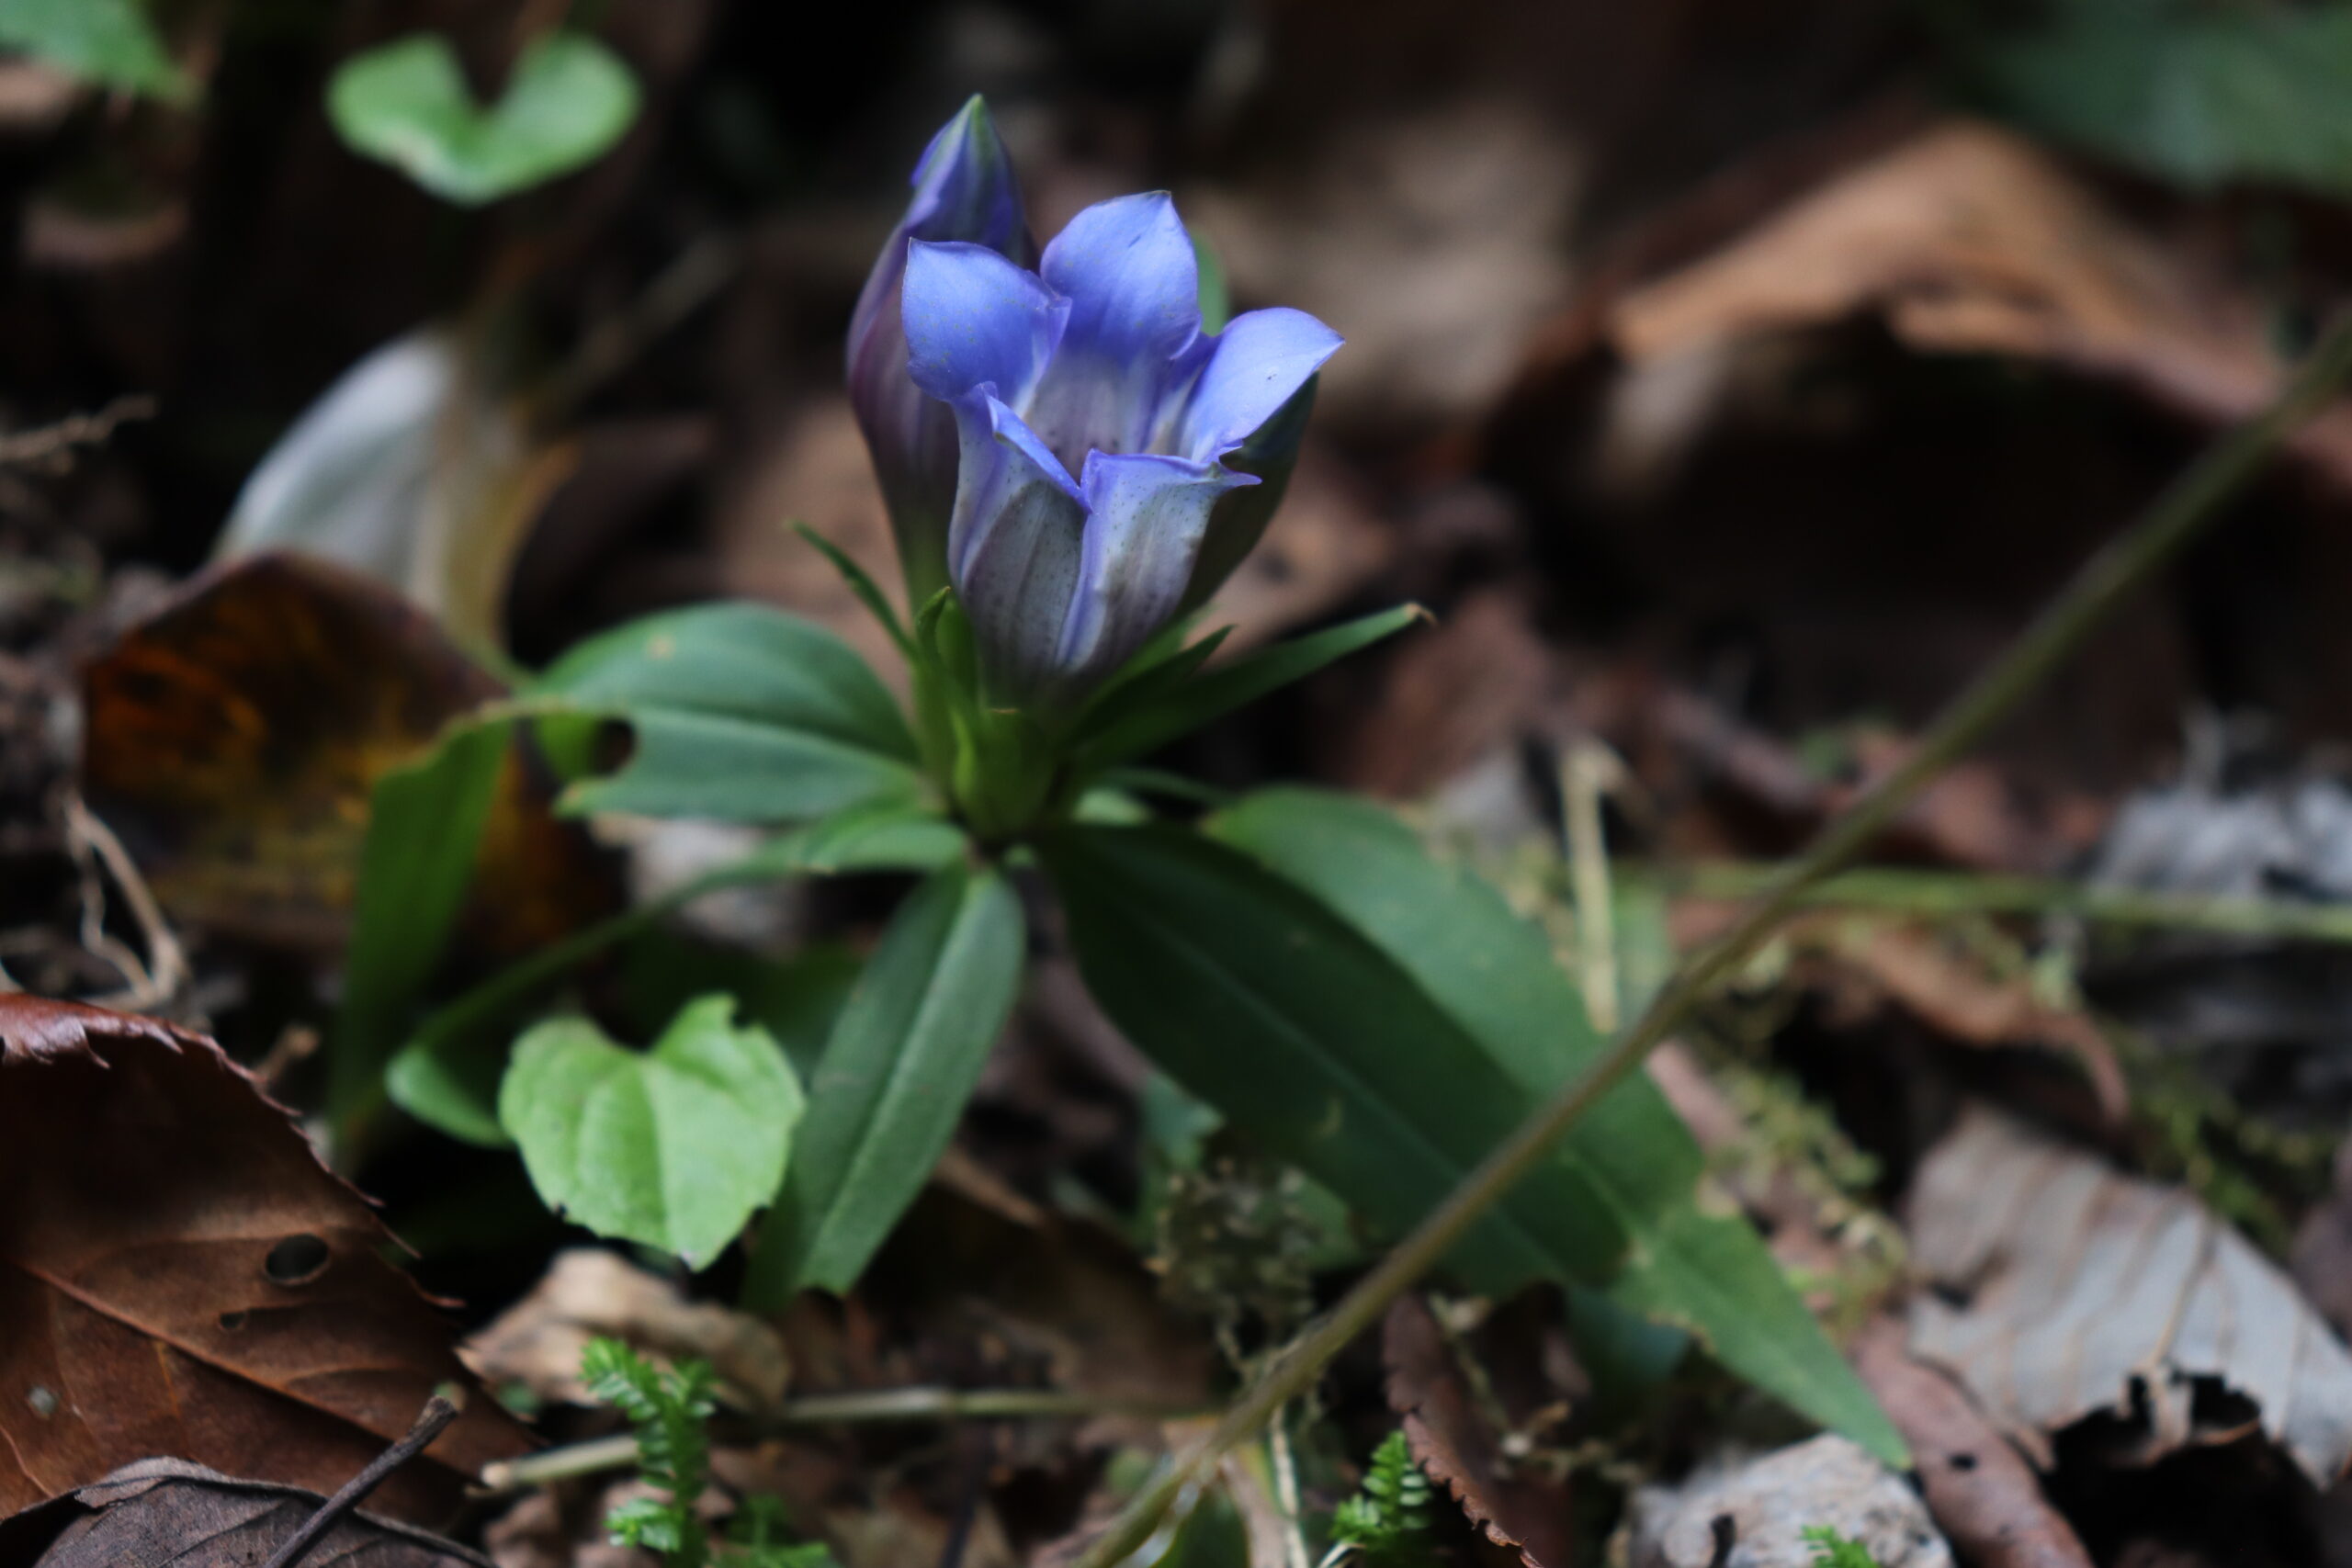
(1355, 1010)
(2198, 92)
(1386, 1523)
(406, 103)
(109, 43)
(1831, 1549)
(670, 1413)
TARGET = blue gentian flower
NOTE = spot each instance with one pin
(963, 190)
(1115, 461)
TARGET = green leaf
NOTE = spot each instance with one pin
(672, 1147)
(425, 824)
(1314, 1043)
(741, 713)
(1145, 729)
(2200, 97)
(1497, 974)
(110, 43)
(886, 1094)
(407, 103)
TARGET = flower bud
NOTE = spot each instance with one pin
(964, 191)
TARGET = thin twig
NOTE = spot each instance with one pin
(2189, 504)
(1584, 777)
(160, 977)
(437, 1414)
(1903, 891)
(862, 1407)
(52, 446)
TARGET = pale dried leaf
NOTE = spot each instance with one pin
(589, 1293)
(2081, 1291)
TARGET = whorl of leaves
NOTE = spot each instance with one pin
(668, 1412)
(1386, 1523)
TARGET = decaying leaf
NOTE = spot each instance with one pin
(166, 1513)
(232, 737)
(1966, 239)
(2064, 1289)
(1459, 1447)
(180, 1275)
(589, 1293)
(1755, 1511)
(1868, 961)
(1984, 1497)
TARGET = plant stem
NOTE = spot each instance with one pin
(1909, 892)
(866, 1406)
(2193, 501)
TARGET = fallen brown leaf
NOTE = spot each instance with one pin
(1966, 239)
(1957, 994)
(1459, 1447)
(1984, 1497)
(165, 1513)
(180, 1275)
(233, 735)
(2064, 1289)
(588, 1292)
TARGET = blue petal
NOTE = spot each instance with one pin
(1259, 363)
(1148, 515)
(975, 319)
(1013, 547)
(1133, 281)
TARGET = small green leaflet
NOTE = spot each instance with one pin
(904, 1055)
(672, 1147)
(740, 713)
(1496, 974)
(406, 103)
(109, 43)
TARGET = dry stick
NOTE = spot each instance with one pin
(829, 1409)
(437, 1414)
(2193, 501)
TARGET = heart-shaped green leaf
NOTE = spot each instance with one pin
(673, 1147)
(407, 103)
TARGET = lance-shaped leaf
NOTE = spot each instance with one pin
(740, 713)
(884, 1101)
(1495, 974)
(673, 1147)
(1321, 1047)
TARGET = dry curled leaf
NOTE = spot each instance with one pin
(231, 739)
(2064, 1289)
(1965, 238)
(1984, 1497)
(1460, 1448)
(165, 1513)
(589, 1293)
(180, 1275)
